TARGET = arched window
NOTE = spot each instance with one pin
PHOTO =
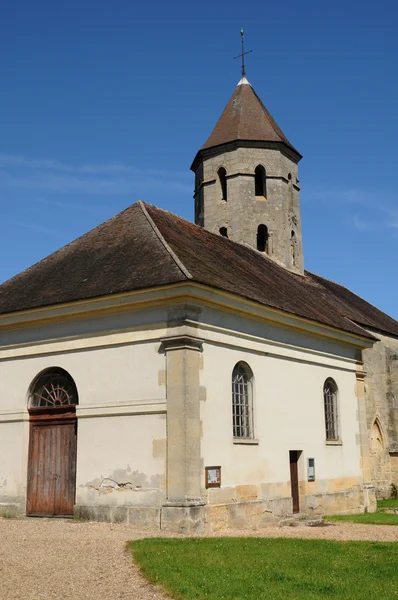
(224, 231)
(260, 181)
(262, 238)
(293, 249)
(53, 389)
(242, 401)
(222, 176)
(330, 400)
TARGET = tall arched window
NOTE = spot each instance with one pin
(330, 400)
(260, 181)
(262, 238)
(242, 401)
(222, 176)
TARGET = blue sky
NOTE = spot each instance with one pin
(105, 103)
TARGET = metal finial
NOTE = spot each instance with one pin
(243, 54)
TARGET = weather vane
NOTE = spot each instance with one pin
(242, 35)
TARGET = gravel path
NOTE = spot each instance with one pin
(62, 559)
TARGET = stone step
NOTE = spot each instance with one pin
(303, 520)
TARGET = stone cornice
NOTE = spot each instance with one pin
(166, 295)
(181, 342)
(231, 146)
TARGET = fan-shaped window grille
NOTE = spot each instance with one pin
(242, 401)
(330, 391)
(54, 389)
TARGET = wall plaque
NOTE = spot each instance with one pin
(213, 477)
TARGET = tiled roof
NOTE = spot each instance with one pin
(144, 247)
(246, 118)
(355, 308)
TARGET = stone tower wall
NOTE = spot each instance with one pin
(243, 212)
(381, 385)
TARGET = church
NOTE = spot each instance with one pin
(195, 377)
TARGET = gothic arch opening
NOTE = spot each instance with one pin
(52, 404)
(222, 177)
(262, 238)
(260, 182)
(376, 438)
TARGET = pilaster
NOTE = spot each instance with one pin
(369, 490)
(184, 508)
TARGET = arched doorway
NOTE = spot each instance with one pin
(52, 445)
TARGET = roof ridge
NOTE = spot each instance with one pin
(335, 283)
(173, 255)
(271, 119)
(264, 256)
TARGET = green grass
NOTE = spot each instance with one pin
(269, 569)
(377, 518)
(389, 503)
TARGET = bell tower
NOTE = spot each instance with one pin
(246, 181)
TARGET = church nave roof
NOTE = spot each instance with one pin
(144, 247)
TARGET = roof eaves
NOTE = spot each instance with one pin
(173, 255)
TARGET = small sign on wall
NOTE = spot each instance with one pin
(311, 469)
(213, 477)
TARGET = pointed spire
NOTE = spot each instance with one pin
(246, 118)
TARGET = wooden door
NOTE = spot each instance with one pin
(52, 466)
(294, 456)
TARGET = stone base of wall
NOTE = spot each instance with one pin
(340, 503)
(248, 515)
(394, 469)
(140, 516)
(185, 519)
(12, 510)
(245, 514)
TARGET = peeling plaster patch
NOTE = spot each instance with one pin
(159, 448)
(125, 479)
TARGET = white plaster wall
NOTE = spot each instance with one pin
(109, 375)
(126, 379)
(121, 460)
(13, 454)
(288, 415)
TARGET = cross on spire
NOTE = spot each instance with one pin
(243, 54)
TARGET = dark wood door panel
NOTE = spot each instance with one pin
(294, 455)
(41, 489)
(52, 467)
(65, 467)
